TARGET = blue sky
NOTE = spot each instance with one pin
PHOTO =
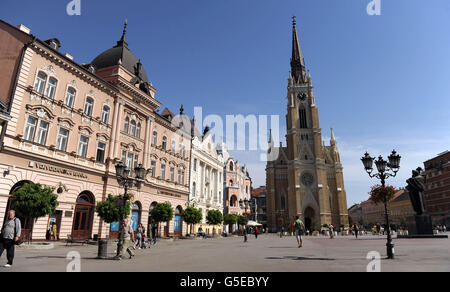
(381, 82)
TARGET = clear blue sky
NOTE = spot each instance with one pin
(381, 82)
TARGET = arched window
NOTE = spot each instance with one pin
(132, 128)
(40, 82)
(155, 138)
(231, 166)
(164, 143)
(302, 118)
(105, 114)
(231, 183)
(70, 96)
(138, 130)
(51, 88)
(126, 125)
(89, 106)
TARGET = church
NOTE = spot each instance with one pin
(305, 178)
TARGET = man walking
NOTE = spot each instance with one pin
(355, 229)
(331, 228)
(299, 227)
(128, 239)
(10, 234)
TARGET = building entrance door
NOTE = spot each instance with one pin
(84, 216)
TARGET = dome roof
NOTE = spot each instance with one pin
(121, 54)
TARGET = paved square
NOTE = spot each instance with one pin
(268, 253)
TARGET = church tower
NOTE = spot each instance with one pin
(313, 173)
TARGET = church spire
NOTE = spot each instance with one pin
(297, 62)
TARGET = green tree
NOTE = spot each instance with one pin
(34, 201)
(230, 219)
(192, 216)
(162, 212)
(242, 220)
(112, 209)
(214, 217)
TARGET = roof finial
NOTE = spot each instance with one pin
(123, 38)
(294, 21)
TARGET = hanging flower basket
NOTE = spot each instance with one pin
(380, 194)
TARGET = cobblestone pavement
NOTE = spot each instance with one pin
(268, 253)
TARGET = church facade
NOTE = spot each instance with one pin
(305, 178)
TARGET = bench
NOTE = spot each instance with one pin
(72, 241)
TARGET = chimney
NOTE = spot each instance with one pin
(24, 28)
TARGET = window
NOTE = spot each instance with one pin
(129, 160)
(231, 183)
(155, 138)
(138, 130)
(70, 97)
(132, 128)
(83, 146)
(153, 168)
(40, 82)
(136, 160)
(164, 143)
(302, 118)
(126, 124)
(173, 146)
(62, 139)
(51, 88)
(42, 133)
(88, 106)
(30, 129)
(172, 174)
(195, 164)
(101, 152)
(231, 166)
(193, 189)
(163, 171)
(105, 114)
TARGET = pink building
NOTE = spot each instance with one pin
(69, 124)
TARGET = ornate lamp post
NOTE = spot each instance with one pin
(385, 170)
(125, 180)
(244, 204)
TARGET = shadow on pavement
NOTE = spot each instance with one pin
(299, 258)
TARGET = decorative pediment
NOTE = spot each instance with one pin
(132, 147)
(41, 111)
(103, 137)
(66, 123)
(85, 130)
(73, 84)
(49, 70)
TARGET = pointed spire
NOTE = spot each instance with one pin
(333, 139)
(123, 41)
(297, 60)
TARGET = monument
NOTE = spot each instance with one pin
(419, 225)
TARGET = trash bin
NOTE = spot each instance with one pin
(102, 249)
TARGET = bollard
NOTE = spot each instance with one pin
(102, 249)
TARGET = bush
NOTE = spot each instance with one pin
(214, 217)
(112, 209)
(162, 212)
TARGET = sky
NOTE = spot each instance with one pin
(382, 82)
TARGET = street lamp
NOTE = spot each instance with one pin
(244, 204)
(125, 180)
(385, 169)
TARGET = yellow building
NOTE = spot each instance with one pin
(305, 178)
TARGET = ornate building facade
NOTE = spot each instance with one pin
(305, 178)
(71, 123)
(206, 182)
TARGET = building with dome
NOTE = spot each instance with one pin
(67, 125)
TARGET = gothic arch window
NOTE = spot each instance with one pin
(302, 118)
(231, 166)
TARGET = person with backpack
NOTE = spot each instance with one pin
(10, 235)
(299, 229)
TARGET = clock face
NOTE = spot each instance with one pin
(302, 96)
(307, 179)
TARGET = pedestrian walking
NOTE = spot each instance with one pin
(256, 232)
(299, 229)
(331, 228)
(128, 240)
(140, 233)
(282, 231)
(245, 234)
(355, 229)
(154, 234)
(10, 235)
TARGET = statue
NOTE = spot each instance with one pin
(416, 187)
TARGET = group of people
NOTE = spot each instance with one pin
(136, 240)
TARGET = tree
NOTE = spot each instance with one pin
(192, 216)
(242, 220)
(230, 219)
(214, 217)
(162, 212)
(112, 209)
(34, 201)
